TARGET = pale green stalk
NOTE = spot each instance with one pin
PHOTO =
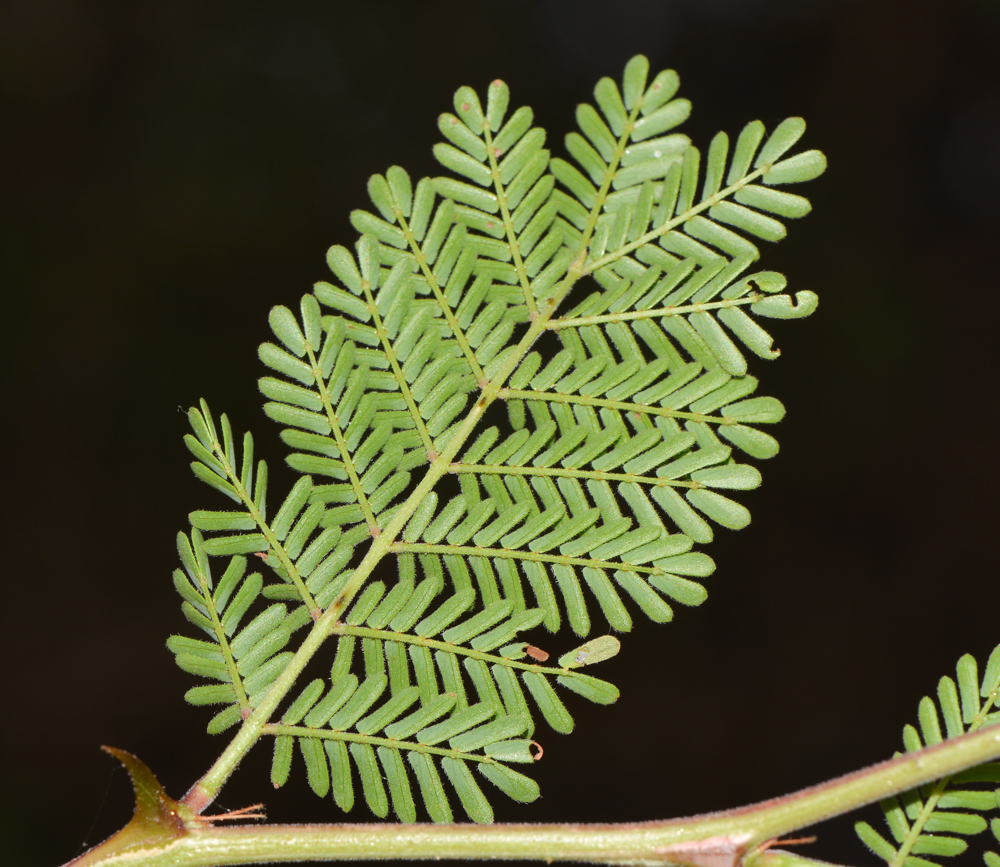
(560, 472)
(512, 554)
(671, 224)
(624, 405)
(457, 649)
(652, 313)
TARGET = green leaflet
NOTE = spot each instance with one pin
(597, 650)
(924, 821)
(430, 787)
(628, 415)
(473, 800)
(513, 784)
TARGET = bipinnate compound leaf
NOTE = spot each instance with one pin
(517, 402)
(934, 819)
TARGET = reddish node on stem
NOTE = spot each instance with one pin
(197, 799)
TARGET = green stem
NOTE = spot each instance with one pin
(372, 740)
(448, 313)
(265, 529)
(559, 472)
(397, 371)
(207, 788)
(457, 649)
(623, 405)
(223, 640)
(727, 839)
(512, 554)
(508, 223)
(670, 225)
(338, 436)
(653, 313)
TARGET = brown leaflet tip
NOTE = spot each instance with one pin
(536, 653)
(537, 756)
(260, 554)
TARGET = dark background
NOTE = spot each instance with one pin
(172, 170)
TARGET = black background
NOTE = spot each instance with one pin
(173, 169)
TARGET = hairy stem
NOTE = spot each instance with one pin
(561, 472)
(653, 313)
(623, 405)
(727, 839)
(512, 554)
(680, 219)
(392, 743)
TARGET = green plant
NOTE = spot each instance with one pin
(516, 407)
(925, 821)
